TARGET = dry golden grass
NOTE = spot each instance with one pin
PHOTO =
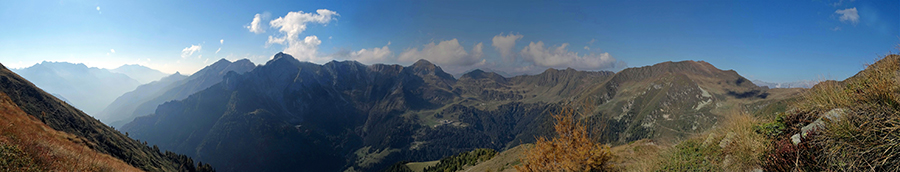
(865, 138)
(571, 150)
(40, 148)
(703, 152)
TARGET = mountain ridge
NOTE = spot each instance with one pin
(365, 117)
(88, 88)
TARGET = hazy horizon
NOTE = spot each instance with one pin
(768, 41)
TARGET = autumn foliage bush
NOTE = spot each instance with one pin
(571, 150)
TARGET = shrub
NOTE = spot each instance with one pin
(571, 150)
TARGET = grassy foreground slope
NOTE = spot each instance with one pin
(851, 125)
(26, 144)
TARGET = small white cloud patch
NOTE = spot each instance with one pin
(222, 41)
(112, 50)
(505, 44)
(98, 10)
(186, 52)
(256, 25)
(306, 49)
(217, 51)
(848, 15)
(371, 56)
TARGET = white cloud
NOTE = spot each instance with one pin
(848, 15)
(505, 44)
(294, 23)
(587, 48)
(306, 49)
(222, 41)
(445, 53)
(375, 55)
(112, 50)
(217, 51)
(560, 57)
(186, 52)
(98, 10)
(256, 25)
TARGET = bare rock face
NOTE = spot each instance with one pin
(727, 140)
(832, 115)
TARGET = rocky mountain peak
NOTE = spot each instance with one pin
(480, 74)
(282, 58)
(424, 67)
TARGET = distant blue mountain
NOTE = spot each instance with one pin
(87, 88)
(140, 73)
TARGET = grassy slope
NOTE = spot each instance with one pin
(27, 144)
(865, 137)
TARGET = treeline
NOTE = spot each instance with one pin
(183, 162)
(457, 162)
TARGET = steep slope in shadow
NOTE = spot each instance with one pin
(112, 114)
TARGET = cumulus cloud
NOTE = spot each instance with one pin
(370, 56)
(445, 53)
(306, 49)
(222, 41)
(112, 50)
(292, 24)
(505, 44)
(186, 52)
(256, 25)
(848, 15)
(98, 10)
(560, 57)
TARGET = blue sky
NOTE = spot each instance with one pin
(776, 41)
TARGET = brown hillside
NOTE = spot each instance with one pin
(27, 144)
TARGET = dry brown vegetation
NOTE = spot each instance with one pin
(26, 144)
(571, 150)
(865, 138)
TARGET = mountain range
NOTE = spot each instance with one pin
(140, 73)
(144, 99)
(796, 84)
(88, 88)
(288, 114)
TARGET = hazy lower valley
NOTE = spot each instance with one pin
(430, 86)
